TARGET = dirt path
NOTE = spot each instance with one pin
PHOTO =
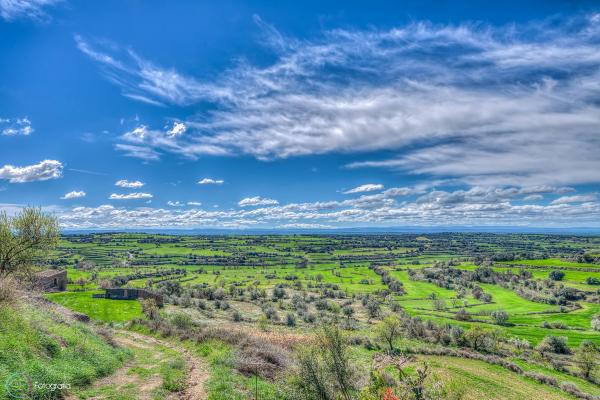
(197, 371)
(143, 376)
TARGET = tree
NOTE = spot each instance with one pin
(554, 344)
(500, 317)
(389, 330)
(596, 322)
(586, 357)
(24, 238)
(556, 275)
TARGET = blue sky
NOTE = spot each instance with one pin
(130, 114)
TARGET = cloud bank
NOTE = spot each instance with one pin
(42, 171)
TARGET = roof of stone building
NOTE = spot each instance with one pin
(48, 273)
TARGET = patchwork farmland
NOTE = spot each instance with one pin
(466, 312)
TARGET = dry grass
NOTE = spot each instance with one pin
(9, 290)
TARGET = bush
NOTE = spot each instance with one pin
(462, 315)
(592, 281)
(181, 321)
(290, 320)
(556, 275)
(8, 291)
(500, 317)
(554, 344)
(237, 316)
(596, 322)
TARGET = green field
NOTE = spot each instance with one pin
(218, 277)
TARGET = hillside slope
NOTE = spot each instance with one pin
(44, 350)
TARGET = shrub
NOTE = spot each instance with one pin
(482, 339)
(290, 320)
(150, 309)
(554, 344)
(462, 315)
(592, 281)
(237, 316)
(596, 322)
(585, 357)
(500, 317)
(8, 291)
(181, 320)
(556, 275)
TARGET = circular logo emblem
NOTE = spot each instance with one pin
(18, 386)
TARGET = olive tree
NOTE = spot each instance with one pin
(24, 238)
(389, 330)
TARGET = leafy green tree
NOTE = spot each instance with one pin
(25, 238)
(586, 357)
(556, 275)
(389, 330)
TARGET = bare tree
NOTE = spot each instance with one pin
(24, 238)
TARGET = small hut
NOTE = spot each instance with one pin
(51, 280)
(132, 294)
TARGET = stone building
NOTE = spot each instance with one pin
(131, 294)
(51, 280)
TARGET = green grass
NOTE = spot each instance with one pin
(99, 309)
(482, 381)
(41, 344)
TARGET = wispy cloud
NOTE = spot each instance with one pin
(42, 171)
(15, 127)
(210, 181)
(32, 9)
(369, 187)
(124, 183)
(130, 196)
(575, 199)
(480, 104)
(257, 201)
(74, 195)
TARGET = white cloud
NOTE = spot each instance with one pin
(491, 108)
(130, 196)
(178, 129)
(175, 203)
(15, 127)
(305, 226)
(209, 181)
(124, 183)
(74, 195)
(575, 199)
(142, 142)
(42, 171)
(474, 206)
(257, 201)
(33, 9)
(194, 203)
(369, 187)
(533, 197)
(143, 152)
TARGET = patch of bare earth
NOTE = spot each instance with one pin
(197, 371)
(146, 387)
